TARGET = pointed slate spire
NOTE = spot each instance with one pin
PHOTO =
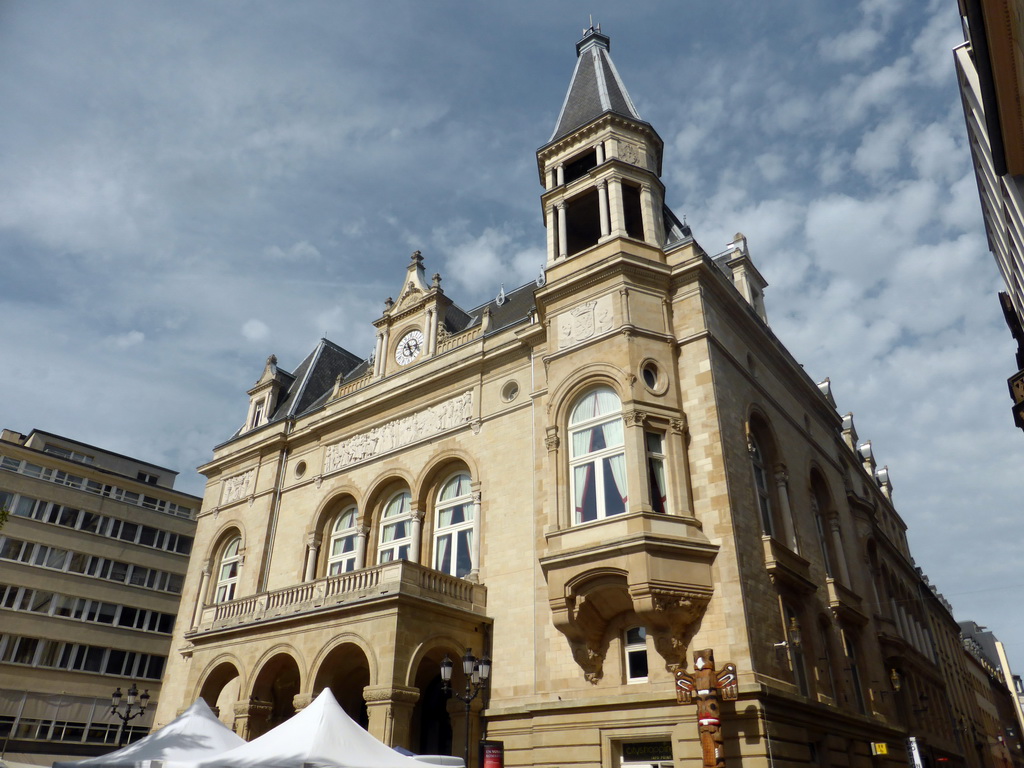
(595, 88)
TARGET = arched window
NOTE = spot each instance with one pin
(396, 529)
(341, 556)
(822, 527)
(597, 462)
(636, 655)
(453, 527)
(227, 571)
(761, 486)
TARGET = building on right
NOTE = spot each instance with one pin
(990, 68)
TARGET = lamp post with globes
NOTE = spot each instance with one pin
(477, 672)
(127, 714)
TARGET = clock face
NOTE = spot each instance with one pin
(409, 347)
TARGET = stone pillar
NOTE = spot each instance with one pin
(602, 198)
(361, 533)
(785, 512)
(390, 713)
(562, 231)
(382, 358)
(560, 174)
(599, 152)
(431, 331)
(552, 233)
(416, 534)
(840, 553)
(457, 715)
(677, 467)
(378, 355)
(312, 547)
(648, 208)
(638, 488)
(204, 584)
(615, 210)
(474, 551)
(252, 718)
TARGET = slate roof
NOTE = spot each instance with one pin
(595, 88)
(314, 377)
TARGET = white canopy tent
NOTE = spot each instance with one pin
(322, 734)
(195, 735)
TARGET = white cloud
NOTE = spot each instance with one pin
(255, 330)
(850, 46)
(300, 251)
(129, 339)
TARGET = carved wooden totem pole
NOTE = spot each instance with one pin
(708, 685)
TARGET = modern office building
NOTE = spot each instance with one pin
(585, 480)
(990, 68)
(92, 560)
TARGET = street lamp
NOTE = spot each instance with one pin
(115, 703)
(476, 671)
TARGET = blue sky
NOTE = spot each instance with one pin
(188, 187)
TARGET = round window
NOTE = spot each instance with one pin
(300, 469)
(510, 391)
(651, 375)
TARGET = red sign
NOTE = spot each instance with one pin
(492, 754)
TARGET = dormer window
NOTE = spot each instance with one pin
(258, 411)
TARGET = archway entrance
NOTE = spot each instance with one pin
(431, 727)
(346, 672)
(220, 691)
(275, 687)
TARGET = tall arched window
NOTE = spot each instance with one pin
(453, 527)
(227, 571)
(597, 461)
(341, 556)
(396, 529)
(761, 487)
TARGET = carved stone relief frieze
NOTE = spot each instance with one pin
(237, 486)
(585, 321)
(399, 433)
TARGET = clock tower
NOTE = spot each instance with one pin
(409, 329)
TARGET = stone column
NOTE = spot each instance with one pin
(312, 547)
(552, 233)
(457, 715)
(677, 460)
(840, 553)
(378, 354)
(648, 208)
(431, 331)
(638, 488)
(618, 218)
(602, 200)
(416, 534)
(390, 713)
(361, 533)
(204, 584)
(382, 359)
(474, 551)
(786, 513)
(560, 174)
(562, 231)
(251, 718)
(599, 152)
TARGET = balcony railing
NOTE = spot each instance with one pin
(397, 579)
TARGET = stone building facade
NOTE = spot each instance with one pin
(92, 560)
(586, 479)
